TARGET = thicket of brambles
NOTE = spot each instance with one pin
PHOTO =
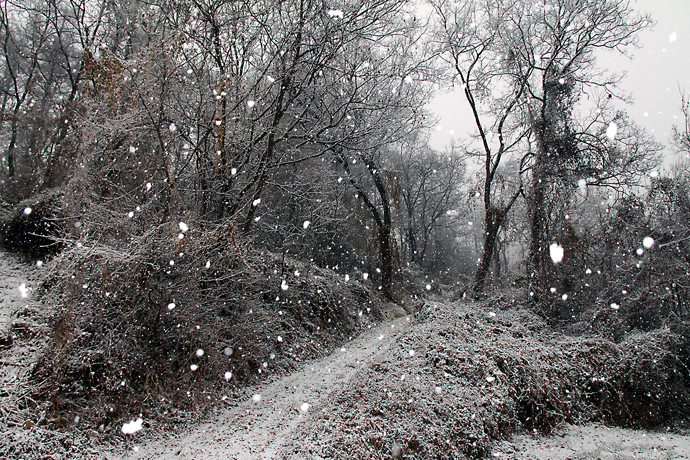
(217, 183)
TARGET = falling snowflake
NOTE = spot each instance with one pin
(256, 398)
(193, 367)
(648, 242)
(227, 375)
(615, 306)
(428, 287)
(673, 36)
(172, 127)
(256, 202)
(612, 130)
(171, 305)
(304, 407)
(305, 224)
(27, 211)
(251, 104)
(183, 227)
(200, 352)
(284, 285)
(132, 427)
(23, 290)
(228, 351)
(365, 276)
(556, 251)
(335, 14)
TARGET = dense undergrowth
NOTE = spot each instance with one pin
(468, 375)
(170, 326)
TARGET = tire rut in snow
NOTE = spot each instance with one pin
(258, 427)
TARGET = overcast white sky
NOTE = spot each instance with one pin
(654, 75)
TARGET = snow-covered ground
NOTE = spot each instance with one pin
(292, 417)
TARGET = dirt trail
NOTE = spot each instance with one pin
(258, 429)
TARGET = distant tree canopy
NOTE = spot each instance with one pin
(271, 114)
(523, 67)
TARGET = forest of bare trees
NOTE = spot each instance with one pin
(172, 152)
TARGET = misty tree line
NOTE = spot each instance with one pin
(302, 125)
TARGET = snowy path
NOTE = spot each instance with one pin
(257, 430)
(13, 274)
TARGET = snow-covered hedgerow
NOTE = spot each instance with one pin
(178, 319)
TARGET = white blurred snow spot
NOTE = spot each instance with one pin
(588, 271)
(640, 251)
(193, 367)
(233, 171)
(564, 297)
(23, 290)
(492, 314)
(171, 305)
(132, 149)
(172, 127)
(200, 352)
(304, 407)
(148, 186)
(280, 339)
(343, 350)
(251, 104)
(381, 337)
(227, 375)
(130, 214)
(490, 379)
(553, 290)
(615, 306)
(256, 202)
(673, 36)
(612, 130)
(284, 285)
(305, 224)
(228, 351)
(335, 14)
(556, 252)
(27, 210)
(256, 398)
(132, 427)
(411, 353)
(438, 390)
(428, 287)
(347, 278)
(208, 264)
(365, 276)
(648, 242)
(183, 227)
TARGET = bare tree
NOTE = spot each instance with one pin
(532, 61)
